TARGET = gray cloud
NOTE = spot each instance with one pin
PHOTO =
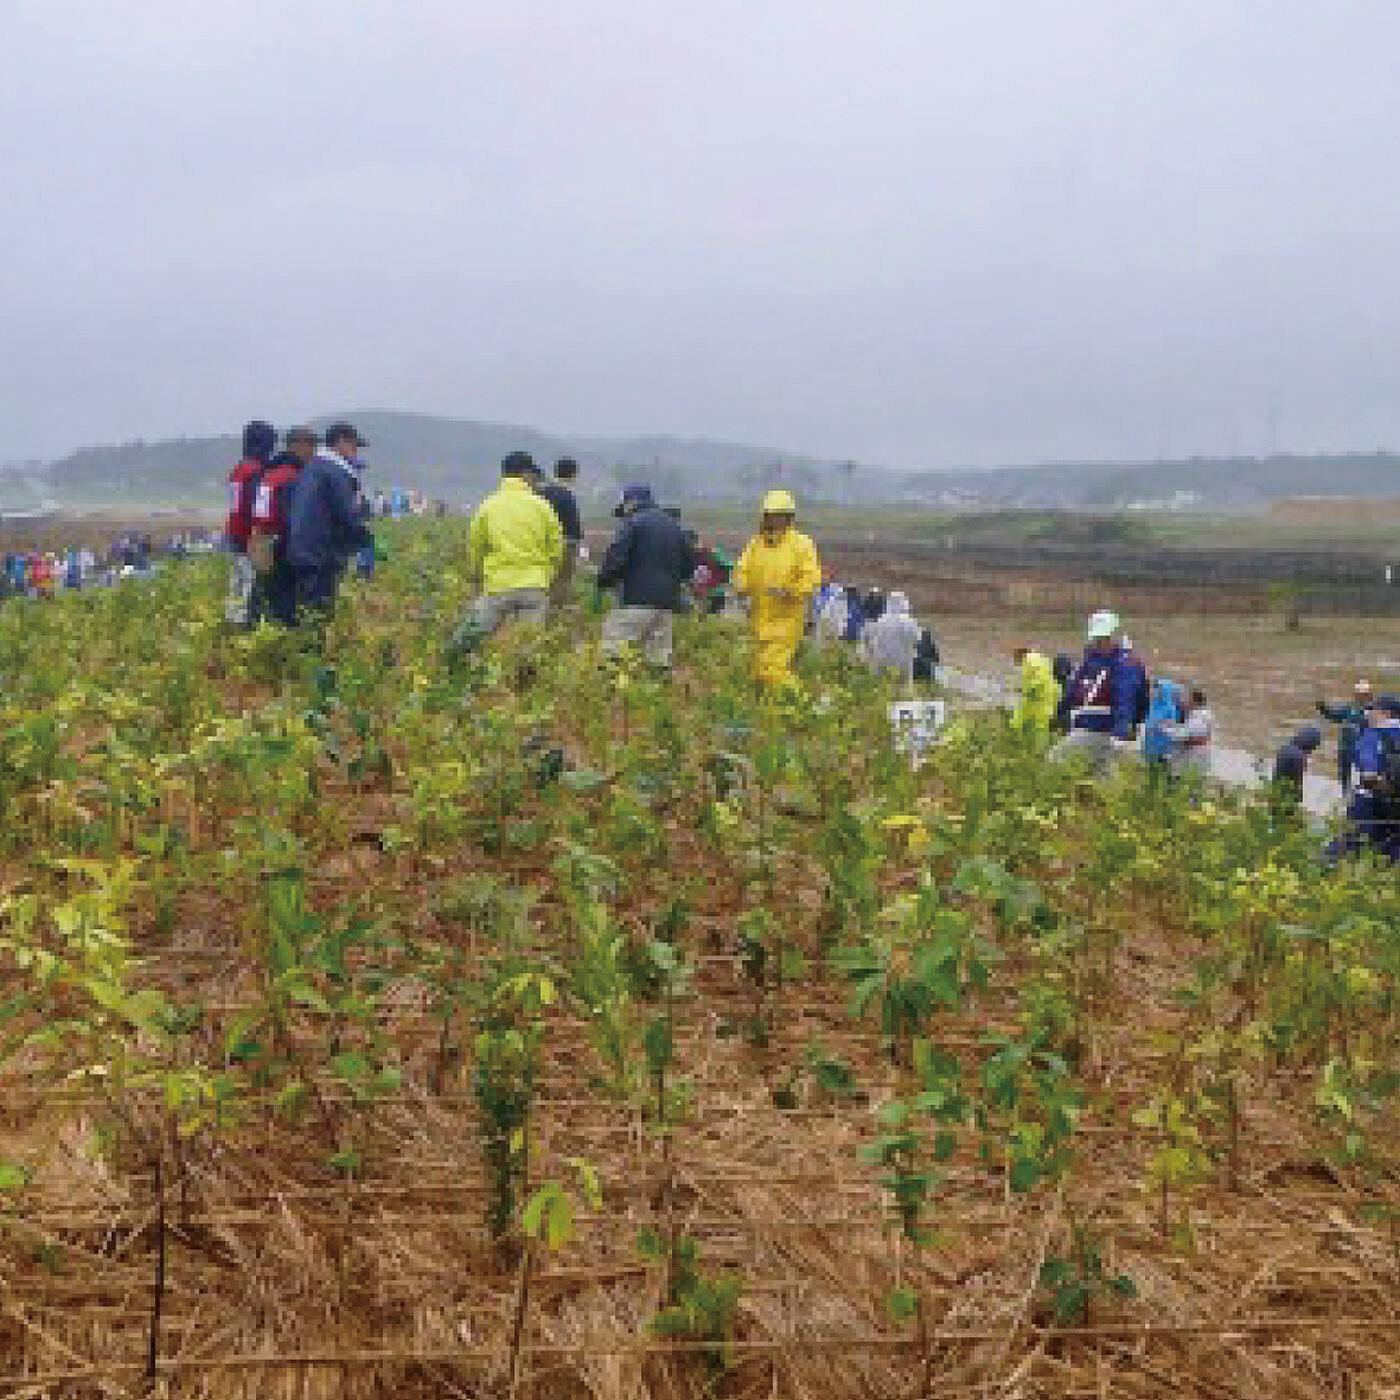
(913, 231)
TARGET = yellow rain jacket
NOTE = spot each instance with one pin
(1040, 695)
(515, 539)
(789, 562)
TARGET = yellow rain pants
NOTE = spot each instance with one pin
(786, 564)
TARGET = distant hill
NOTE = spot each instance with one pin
(1205, 483)
(456, 460)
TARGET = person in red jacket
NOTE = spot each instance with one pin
(276, 588)
(259, 440)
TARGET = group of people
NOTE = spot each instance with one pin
(526, 538)
(1368, 768)
(41, 574)
(296, 521)
(882, 629)
(399, 504)
(44, 573)
(1105, 706)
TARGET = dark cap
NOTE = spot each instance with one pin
(300, 433)
(1308, 737)
(565, 468)
(518, 464)
(336, 431)
(634, 497)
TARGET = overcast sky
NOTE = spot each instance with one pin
(912, 231)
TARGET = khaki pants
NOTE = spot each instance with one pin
(491, 611)
(648, 629)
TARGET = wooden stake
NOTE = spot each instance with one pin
(158, 1291)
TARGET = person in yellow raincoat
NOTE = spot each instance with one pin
(1040, 693)
(778, 572)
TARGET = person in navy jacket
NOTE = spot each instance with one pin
(325, 525)
(1373, 813)
(1100, 704)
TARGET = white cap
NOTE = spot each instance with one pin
(1102, 624)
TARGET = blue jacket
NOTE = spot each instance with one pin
(1102, 694)
(325, 528)
(1166, 708)
(1372, 804)
(1371, 752)
(855, 620)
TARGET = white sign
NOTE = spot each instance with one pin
(916, 725)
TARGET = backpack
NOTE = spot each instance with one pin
(1390, 767)
(268, 523)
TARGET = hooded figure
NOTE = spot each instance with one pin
(832, 613)
(926, 657)
(892, 639)
(259, 442)
(1165, 710)
(1040, 693)
(1290, 766)
(778, 571)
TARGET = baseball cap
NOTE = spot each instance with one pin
(1103, 624)
(343, 430)
(518, 464)
(634, 497)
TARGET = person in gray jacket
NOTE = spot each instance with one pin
(892, 639)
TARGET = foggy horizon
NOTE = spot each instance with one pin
(917, 236)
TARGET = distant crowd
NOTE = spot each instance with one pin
(44, 573)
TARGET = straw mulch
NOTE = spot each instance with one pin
(283, 1279)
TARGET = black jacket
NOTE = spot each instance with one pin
(925, 657)
(565, 507)
(651, 555)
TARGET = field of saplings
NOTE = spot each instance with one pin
(532, 1026)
